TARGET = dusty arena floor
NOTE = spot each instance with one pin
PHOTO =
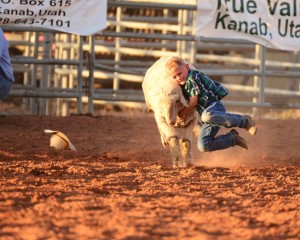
(119, 184)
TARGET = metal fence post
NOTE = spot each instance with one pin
(116, 82)
(262, 69)
(34, 101)
(79, 74)
(44, 81)
(180, 32)
(256, 80)
(91, 73)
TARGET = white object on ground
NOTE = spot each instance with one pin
(59, 140)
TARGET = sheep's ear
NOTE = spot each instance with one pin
(183, 100)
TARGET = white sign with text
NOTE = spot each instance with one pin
(84, 17)
(272, 23)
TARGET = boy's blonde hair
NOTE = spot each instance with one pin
(174, 62)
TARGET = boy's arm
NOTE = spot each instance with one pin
(192, 104)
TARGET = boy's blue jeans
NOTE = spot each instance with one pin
(213, 118)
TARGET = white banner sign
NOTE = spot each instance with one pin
(272, 23)
(83, 17)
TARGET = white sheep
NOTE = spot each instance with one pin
(165, 98)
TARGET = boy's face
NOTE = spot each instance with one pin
(180, 73)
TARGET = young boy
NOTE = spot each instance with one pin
(205, 95)
(6, 70)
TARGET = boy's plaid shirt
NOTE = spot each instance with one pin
(207, 90)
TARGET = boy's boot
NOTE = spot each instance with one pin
(250, 125)
(239, 140)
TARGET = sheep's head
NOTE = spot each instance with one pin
(170, 104)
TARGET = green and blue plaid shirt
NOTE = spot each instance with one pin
(207, 90)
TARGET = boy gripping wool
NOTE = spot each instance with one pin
(205, 95)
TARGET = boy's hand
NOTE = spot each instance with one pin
(180, 122)
(192, 106)
(181, 114)
(183, 121)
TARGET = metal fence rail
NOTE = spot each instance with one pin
(98, 67)
(29, 88)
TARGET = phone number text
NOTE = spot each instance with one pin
(41, 21)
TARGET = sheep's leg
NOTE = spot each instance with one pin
(185, 147)
(174, 150)
(163, 129)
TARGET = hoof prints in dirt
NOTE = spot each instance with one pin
(109, 190)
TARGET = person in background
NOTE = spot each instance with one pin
(6, 70)
(205, 95)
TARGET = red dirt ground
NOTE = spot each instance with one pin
(119, 184)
